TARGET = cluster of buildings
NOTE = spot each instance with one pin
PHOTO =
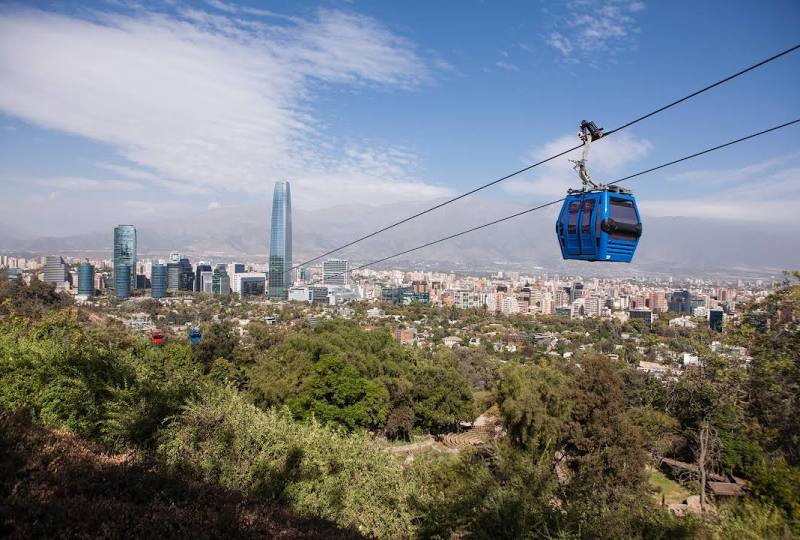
(572, 296)
(126, 273)
(334, 283)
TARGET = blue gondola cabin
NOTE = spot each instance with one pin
(195, 335)
(599, 225)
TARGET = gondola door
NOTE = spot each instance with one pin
(586, 226)
(573, 247)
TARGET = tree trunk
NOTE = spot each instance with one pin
(701, 463)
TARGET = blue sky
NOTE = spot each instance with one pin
(111, 110)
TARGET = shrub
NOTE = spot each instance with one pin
(317, 471)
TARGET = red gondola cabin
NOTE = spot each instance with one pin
(157, 336)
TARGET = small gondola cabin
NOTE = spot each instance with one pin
(195, 335)
(599, 225)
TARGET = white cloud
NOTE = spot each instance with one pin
(768, 191)
(73, 183)
(507, 66)
(729, 176)
(635, 7)
(560, 42)
(591, 28)
(128, 172)
(205, 102)
(247, 10)
(607, 157)
(775, 211)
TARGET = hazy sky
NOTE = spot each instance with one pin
(110, 110)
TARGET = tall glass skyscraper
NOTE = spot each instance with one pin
(86, 279)
(125, 252)
(280, 243)
(158, 281)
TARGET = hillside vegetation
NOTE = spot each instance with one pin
(283, 432)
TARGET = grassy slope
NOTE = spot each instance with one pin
(673, 492)
(55, 485)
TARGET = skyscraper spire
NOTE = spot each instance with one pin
(280, 245)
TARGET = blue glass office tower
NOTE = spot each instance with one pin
(158, 281)
(280, 244)
(86, 279)
(125, 253)
(122, 280)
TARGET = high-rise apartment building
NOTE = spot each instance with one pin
(125, 253)
(657, 302)
(336, 272)
(280, 244)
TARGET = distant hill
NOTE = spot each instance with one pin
(670, 245)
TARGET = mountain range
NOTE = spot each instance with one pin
(670, 245)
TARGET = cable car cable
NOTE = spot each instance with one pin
(529, 167)
(551, 203)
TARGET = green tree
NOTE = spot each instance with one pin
(337, 394)
(604, 449)
(442, 397)
(219, 341)
(534, 402)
